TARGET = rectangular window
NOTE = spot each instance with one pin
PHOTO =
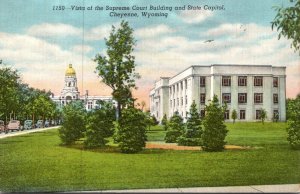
(202, 113)
(226, 114)
(258, 98)
(185, 83)
(202, 98)
(242, 97)
(90, 105)
(202, 81)
(242, 81)
(181, 101)
(186, 101)
(226, 97)
(242, 114)
(258, 81)
(275, 98)
(258, 114)
(181, 85)
(226, 81)
(275, 82)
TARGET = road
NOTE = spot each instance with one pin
(16, 133)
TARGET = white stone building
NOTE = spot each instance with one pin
(246, 89)
(70, 92)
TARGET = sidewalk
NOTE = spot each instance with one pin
(288, 188)
(16, 133)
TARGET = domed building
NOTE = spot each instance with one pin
(70, 92)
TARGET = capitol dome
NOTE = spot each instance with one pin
(70, 71)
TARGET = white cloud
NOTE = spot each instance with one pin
(82, 48)
(100, 32)
(64, 30)
(53, 30)
(195, 16)
(153, 31)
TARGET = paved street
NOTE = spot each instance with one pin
(16, 133)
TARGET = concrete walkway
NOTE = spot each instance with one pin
(16, 133)
(288, 188)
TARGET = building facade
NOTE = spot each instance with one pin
(70, 92)
(245, 88)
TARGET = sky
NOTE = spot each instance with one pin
(40, 41)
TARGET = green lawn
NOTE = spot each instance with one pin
(36, 162)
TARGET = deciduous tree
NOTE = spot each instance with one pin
(117, 69)
(294, 122)
(287, 22)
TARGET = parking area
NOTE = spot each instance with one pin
(15, 133)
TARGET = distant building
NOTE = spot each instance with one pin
(245, 88)
(70, 92)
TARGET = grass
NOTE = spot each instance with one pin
(36, 162)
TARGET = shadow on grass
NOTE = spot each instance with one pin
(114, 149)
(10, 141)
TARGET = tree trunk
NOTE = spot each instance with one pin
(118, 111)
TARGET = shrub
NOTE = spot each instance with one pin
(293, 128)
(175, 128)
(73, 124)
(214, 128)
(131, 134)
(100, 126)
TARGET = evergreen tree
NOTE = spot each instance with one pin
(164, 120)
(73, 125)
(192, 135)
(100, 126)
(215, 131)
(175, 128)
(131, 134)
(234, 115)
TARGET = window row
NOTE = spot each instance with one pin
(242, 98)
(241, 115)
(242, 81)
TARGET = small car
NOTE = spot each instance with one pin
(47, 123)
(2, 126)
(28, 124)
(14, 125)
(39, 124)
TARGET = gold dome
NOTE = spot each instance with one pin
(70, 71)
